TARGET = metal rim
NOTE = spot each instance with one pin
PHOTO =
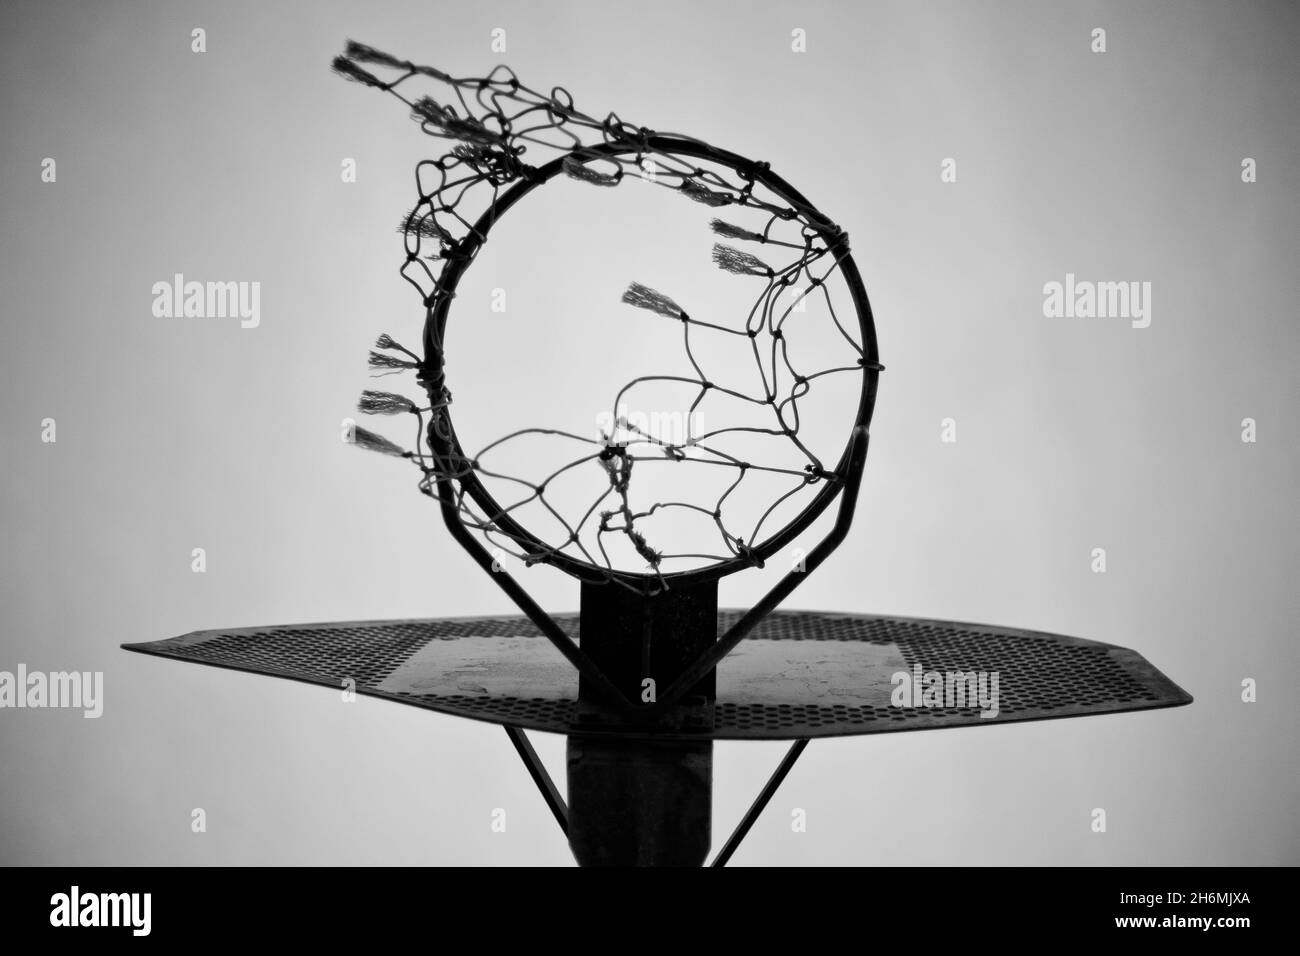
(442, 433)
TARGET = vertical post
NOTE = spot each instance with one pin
(636, 799)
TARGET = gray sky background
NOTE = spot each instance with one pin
(1072, 433)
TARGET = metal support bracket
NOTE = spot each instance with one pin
(551, 794)
(765, 797)
(537, 770)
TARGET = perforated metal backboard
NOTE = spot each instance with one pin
(801, 674)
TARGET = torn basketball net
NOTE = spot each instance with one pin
(491, 125)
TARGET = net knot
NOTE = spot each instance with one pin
(753, 169)
(617, 131)
(836, 238)
(453, 249)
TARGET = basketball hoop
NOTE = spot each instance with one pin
(648, 673)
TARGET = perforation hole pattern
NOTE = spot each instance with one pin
(1041, 675)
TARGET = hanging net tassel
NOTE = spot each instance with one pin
(703, 194)
(388, 344)
(741, 263)
(575, 168)
(644, 297)
(368, 54)
(469, 129)
(350, 71)
(384, 403)
(731, 231)
(382, 362)
(364, 438)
